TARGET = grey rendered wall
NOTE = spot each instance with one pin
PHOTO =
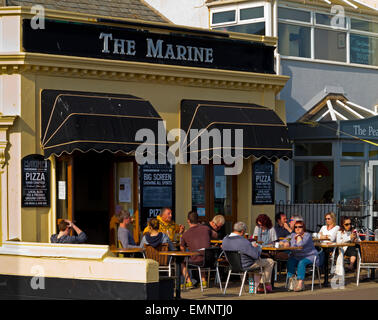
(308, 79)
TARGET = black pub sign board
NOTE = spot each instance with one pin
(35, 181)
(140, 45)
(263, 182)
(157, 190)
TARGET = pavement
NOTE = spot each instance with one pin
(367, 290)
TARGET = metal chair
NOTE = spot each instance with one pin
(312, 267)
(235, 267)
(210, 264)
(368, 257)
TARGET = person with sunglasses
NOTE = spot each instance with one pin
(299, 259)
(346, 235)
(329, 230)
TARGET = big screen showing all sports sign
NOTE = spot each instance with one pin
(157, 190)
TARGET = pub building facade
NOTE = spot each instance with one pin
(76, 93)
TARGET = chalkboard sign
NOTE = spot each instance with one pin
(35, 181)
(263, 182)
(157, 190)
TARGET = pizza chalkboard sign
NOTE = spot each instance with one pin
(35, 181)
(263, 182)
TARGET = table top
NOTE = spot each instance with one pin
(281, 248)
(335, 245)
(216, 241)
(180, 253)
(126, 250)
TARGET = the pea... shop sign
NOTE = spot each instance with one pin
(35, 181)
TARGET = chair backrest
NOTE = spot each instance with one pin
(153, 253)
(211, 257)
(234, 259)
(369, 251)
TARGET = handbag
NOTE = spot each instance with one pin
(292, 283)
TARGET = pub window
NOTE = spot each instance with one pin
(363, 49)
(330, 45)
(294, 40)
(224, 17)
(214, 193)
(351, 183)
(373, 152)
(314, 181)
(250, 28)
(243, 19)
(251, 13)
(294, 15)
(313, 149)
(355, 150)
(363, 25)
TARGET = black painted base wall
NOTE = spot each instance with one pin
(20, 287)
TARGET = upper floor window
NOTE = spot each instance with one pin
(323, 36)
(242, 18)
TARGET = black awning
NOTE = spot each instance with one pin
(84, 121)
(264, 133)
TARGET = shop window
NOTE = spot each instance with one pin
(363, 25)
(314, 181)
(355, 150)
(313, 149)
(330, 45)
(251, 13)
(294, 40)
(293, 14)
(326, 20)
(373, 152)
(198, 190)
(250, 28)
(351, 183)
(224, 16)
(214, 193)
(363, 49)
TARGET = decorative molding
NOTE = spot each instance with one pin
(91, 68)
(5, 123)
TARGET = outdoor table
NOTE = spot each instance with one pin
(179, 257)
(326, 247)
(130, 251)
(216, 241)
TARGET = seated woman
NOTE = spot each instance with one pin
(299, 259)
(155, 238)
(329, 231)
(345, 235)
(264, 230)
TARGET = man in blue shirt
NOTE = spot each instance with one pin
(63, 236)
(250, 253)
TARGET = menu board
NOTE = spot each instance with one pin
(35, 181)
(263, 182)
(157, 188)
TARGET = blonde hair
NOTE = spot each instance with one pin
(218, 219)
(332, 215)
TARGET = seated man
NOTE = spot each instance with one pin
(250, 253)
(196, 237)
(282, 228)
(217, 225)
(166, 225)
(63, 236)
(124, 234)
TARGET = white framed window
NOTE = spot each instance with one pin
(248, 18)
(319, 35)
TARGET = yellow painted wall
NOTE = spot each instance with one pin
(37, 224)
